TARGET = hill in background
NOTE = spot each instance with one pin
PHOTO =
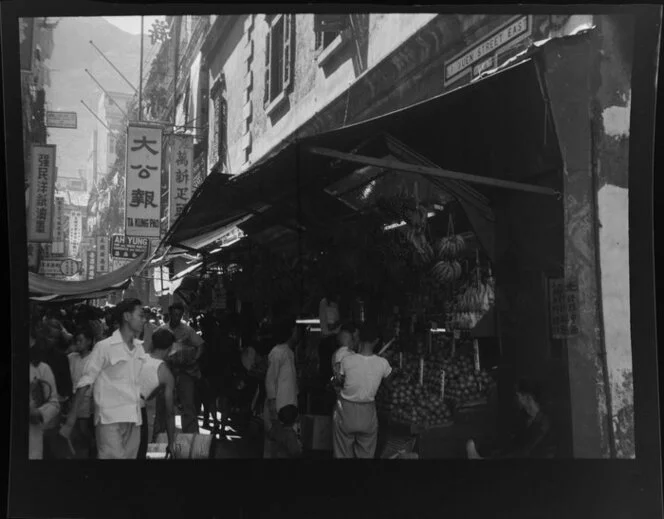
(72, 54)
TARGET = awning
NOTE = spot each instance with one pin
(46, 289)
(473, 130)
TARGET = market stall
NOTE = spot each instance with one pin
(449, 263)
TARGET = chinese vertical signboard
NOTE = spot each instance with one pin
(181, 162)
(143, 197)
(90, 267)
(58, 247)
(42, 185)
(102, 254)
(75, 232)
(564, 311)
(198, 173)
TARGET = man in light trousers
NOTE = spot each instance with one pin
(355, 430)
(113, 370)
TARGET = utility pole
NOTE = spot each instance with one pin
(140, 79)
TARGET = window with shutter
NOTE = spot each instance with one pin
(327, 27)
(279, 56)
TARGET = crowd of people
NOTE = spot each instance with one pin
(107, 382)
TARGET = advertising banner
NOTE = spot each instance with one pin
(42, 186)
(143, 195)
(58, 224)
(180, 175)
(102, 254)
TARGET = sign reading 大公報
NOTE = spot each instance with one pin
(514, 31)
(143, 195)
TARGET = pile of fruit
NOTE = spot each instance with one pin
(409, 402)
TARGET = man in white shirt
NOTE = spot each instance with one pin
(348, 342)
(355, 431)
(186, 367)
(113, 370)
(280, 380)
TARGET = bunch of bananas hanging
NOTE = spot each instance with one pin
(445, 271)
(478, 295)
(447, 268)
(451, 246)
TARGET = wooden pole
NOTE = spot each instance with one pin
(430, 171)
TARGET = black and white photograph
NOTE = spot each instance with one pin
(315, 235)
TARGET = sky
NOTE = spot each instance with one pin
(132, 24)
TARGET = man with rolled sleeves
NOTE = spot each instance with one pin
(355, 431)
(113, 370)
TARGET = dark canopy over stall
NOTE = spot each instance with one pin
(479, 135)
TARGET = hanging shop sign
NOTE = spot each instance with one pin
(563, 297)
(51, 268)
(128, 247)
(484, 54)
(143, 185)
(58, 246)
(198, 172)
(65, 120)
(42, 186)
(102, 254)
(180, 173)
(75, 232)
(92, 260)
(70, 267)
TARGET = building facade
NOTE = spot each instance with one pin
(272, 78)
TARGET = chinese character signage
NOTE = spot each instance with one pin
(51, 268)
(70, 267)
(180, 185)
(42, 185)
(564, 308)
(58, 224)
(75, 232)
(90, 270)
(102, 254)
(143, 197)
(199, 171)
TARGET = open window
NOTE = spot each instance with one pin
(279, 54)
(330, 30)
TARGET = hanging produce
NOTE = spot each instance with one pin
(452, 245)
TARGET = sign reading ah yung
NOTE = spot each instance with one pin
(484, 54)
